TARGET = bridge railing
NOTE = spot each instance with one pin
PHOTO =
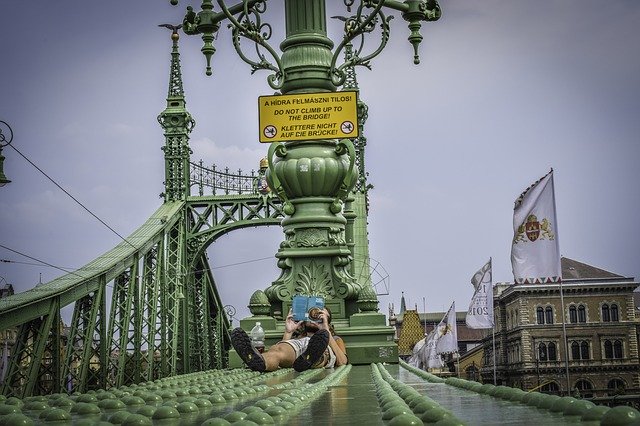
(220, 181)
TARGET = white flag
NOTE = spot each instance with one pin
(431, 358)
(417, 357)
(535, 252)
(447, 332)
(480, 313)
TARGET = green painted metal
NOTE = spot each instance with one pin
(177, 124)
(166, 317)
(143, 314)
(325, 228)
(374, 394)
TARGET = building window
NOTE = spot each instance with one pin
(616, 386)
(547, 352)
(580, 350)
(614, 312)
(582, 313)
(548, 315)
(617, 349)
(585, 388)
(551, 388)
(573, 314)
(540, 315)
(613, 349)
(542, 352)
(575, 350)
(473, 372)
(608, 349)
(551, 348)
(605, 313)
(584, 350)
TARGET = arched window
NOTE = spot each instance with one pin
(617, 349)
(584, 350)
(547, 351)
(614, 312)
(548, 315)
(608, 349)
(580, 350)
(605, 313)
(552, 388)
(582, 313)
(540, 315)
(585, 388)
(473, 373)
(542, 352)
(575, 350)
(551, 348)
(616, 385)
(573, 314)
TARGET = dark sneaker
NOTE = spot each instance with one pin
(315, 349)
(242, 344)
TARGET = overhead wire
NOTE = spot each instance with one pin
(72, 197)
(72, 270)
(41, 261)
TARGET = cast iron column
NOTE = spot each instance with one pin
(315, 176)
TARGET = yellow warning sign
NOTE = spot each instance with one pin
(308, 116)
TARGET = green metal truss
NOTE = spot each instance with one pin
(165, 314)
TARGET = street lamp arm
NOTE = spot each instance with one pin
(363, 22)
(393, 4)
(257, 32)
(247, 24)
(359, 25)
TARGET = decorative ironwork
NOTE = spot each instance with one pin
(362, 23)
(258, 32)
(248, 24)
(230, 311)
(225, 181)
(5, 139)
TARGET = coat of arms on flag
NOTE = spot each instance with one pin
(533, 229)
(535, 252)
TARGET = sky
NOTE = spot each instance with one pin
(505, 91)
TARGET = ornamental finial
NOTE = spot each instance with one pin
(174, 28)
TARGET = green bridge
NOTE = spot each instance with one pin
(148, 341)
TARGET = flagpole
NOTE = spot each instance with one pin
(494, 326)
(458, 356)
(424, 309)
(564, 336)
(564, 326)
(494, 355)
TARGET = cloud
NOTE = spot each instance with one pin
(232, 156)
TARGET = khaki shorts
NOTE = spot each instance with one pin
(328, 359)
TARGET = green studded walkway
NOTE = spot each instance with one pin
(377, 394)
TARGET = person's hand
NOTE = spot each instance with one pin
(290, 325)
(324, 317)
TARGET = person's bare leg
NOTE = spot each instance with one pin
(280, 355)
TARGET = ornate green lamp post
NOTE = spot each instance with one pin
(313, 178)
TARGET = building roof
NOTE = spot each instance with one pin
(572, 269)
(411, 332)
(433, 318)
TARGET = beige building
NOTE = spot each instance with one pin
(601, 322)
